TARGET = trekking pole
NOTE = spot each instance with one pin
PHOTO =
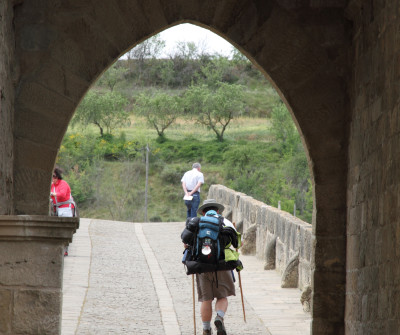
(194, 307)
(241, 293)
(240, 285)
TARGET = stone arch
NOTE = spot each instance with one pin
(63, 46)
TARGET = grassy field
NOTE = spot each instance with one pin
(119, 186)
(252, 129)
(165, 192)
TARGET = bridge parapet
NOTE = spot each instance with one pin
(31, 272)
(283, 241)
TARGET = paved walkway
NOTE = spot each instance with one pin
(125, 278)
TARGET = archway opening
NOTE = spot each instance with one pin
(151, 95)
(259, 152)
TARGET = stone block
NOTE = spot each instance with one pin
(270, 253)
(322, 327)
(328, 220)
(352, 282)
(269, 219)
(249, 240)
(280, 255)
(261, 240)
(325, 306)
(353, 259)
(304, 274)
(42, 100)
(5, 310)
(290, 276)
(72, 86)
(31, 264)
(35, 156)
(323, 279)
(353, 307)
(305, 243)
(37, 312)
(330, 253)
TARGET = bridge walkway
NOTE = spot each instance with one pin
(125, 278)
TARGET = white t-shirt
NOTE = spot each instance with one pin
(191, 178)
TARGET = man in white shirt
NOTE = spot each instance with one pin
(191, 182)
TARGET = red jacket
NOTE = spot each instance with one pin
(63, 192)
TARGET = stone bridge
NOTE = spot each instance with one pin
(282, 241)
(116, 281)
(334, 63)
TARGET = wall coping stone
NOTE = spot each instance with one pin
(37, 227)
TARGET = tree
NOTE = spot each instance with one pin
(160, 109)
(148, 50)
(112, 76)
(214, 108)
(104, 110)
(215, 71)
(284, 130)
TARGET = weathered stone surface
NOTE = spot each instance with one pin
(270, 252)
(290, 276)
(31, 272)
(7, 94)
(249, 240)
(305, 299)
(37, 312)
(275, 236)
(335, 64)
(5, 310)
(30, 264)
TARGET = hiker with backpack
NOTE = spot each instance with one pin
(191, 182)
(208, 243)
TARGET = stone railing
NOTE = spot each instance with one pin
(280, 239)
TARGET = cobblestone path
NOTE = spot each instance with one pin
(135, 283)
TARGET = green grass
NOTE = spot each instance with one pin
(186, 143)
(239, 129)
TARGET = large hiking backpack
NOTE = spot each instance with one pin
(208, 247)
(208, 241)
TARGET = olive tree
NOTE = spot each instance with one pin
(160, 110)
(113, 75)
(104, 110)
(214, 108)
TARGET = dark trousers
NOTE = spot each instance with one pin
(193, 205)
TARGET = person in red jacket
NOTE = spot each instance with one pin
(61, 198)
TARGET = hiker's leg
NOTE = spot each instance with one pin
(206, 310)
(221, 305)
(188, 204)
(195, 204)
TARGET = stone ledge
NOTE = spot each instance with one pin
(37, 227)
(261, 224)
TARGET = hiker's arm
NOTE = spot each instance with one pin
(196, 188)
(184, 188)
(62, 190)
(229, 236)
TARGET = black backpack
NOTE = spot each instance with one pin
(208, 248)
(205, 252)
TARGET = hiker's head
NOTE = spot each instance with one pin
(210, 204)
(57, 174)
(196, 166)
(211, 208)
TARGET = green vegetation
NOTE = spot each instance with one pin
(191, 107)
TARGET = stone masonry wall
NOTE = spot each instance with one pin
(6, 107)
(276, 234)
(373, 231)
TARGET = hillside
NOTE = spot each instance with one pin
(260, 153)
